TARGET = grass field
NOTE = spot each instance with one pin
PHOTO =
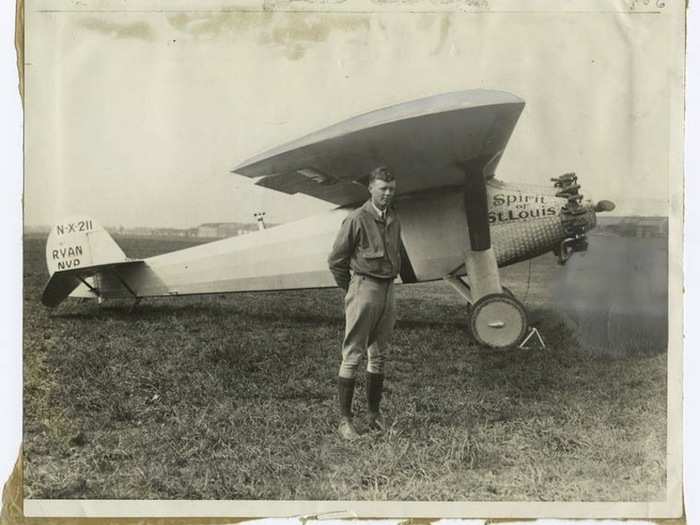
(233, 397)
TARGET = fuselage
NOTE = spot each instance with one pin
(525, 221)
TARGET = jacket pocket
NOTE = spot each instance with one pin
(372, 246)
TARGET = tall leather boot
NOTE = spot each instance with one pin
(375, 386)
(346, 390)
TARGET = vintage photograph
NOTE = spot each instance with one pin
(395, 258)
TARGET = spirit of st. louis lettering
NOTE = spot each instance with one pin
(499, 199)
(67, 257)
(519, 206)
(74, 227)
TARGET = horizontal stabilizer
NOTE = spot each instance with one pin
(63, 282)
(77, 249)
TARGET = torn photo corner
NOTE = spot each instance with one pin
(509, 180)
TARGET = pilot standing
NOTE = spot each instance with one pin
(364, 261)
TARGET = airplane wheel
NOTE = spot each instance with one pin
(508, 292)
(498, 321)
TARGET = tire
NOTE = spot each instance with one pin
(508, 292)
(498, 321)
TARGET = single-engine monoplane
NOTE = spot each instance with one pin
(459, 223)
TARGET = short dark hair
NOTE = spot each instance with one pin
(380, 173)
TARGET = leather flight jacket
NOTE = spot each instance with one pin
(367, 245)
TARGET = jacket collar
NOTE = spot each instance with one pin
(369, 208)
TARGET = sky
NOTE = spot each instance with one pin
(137, 118)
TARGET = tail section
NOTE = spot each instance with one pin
(79, 251)
(80, 242)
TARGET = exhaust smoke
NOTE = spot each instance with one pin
(615, 295)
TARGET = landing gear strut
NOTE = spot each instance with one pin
(497, 319)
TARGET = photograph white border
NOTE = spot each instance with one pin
(117, 508)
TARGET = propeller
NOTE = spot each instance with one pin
(576, 218)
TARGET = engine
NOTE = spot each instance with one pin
(527, 220)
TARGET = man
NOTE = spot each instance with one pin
(368, 245)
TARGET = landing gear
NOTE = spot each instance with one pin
(508, 292)
(498, 321)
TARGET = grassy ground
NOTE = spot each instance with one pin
(228, 397)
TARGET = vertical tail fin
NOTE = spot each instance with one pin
(80, 242)
(78, 252)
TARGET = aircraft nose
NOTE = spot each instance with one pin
(568, 188)
(576, 217)
(576, 220)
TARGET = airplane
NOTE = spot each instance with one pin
(459, 223)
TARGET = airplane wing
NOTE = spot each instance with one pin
(427, 143)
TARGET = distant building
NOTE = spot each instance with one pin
(224, 229)
(209, 229)
(139, 231)
(145, 231)
(651, 227)
(173, 232)
(635, 226)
